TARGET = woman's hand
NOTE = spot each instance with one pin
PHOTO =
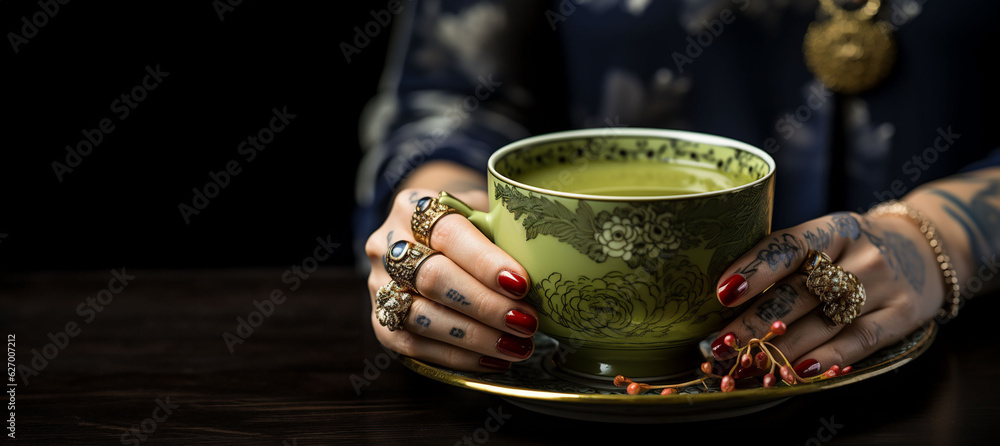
(888, 254)
(468, 315)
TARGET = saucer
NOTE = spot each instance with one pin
(537, 384)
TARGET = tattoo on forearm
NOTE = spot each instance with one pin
(423, 321)
(979, 216)
(778, 306)
(457, 297)
(457, 332)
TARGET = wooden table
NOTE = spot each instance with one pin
(155, 359)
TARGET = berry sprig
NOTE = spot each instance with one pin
(754, 357)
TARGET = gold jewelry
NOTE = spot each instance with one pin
(841, 292)
(954, 296)
(392, 304)
(850, 52)
(403, 259)
(425, 215)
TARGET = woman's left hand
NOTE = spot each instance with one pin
(888, 254)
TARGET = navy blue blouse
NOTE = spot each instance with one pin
(467, 77)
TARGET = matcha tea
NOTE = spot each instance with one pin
(633, 179)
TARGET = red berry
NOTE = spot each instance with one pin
(745, 360)
(721, 350)
(846, 370)
(730, 340)
(769, 380)
(761, 360)
(746, 372)
(621, 380)
(778, 328)
(787, 375)
(669, 391)
(637, 388)
(728, 383)
(706, 367)
(835, 369)
(830, 373)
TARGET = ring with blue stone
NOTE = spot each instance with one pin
(403, 259)
(425, 215)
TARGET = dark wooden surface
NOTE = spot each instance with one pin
(290, 381)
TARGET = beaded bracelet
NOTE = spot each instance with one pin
(954, 299)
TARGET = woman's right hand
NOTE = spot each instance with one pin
(469, 314)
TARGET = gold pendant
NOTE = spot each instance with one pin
(850, 52)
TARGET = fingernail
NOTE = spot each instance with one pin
(513, 283)
(720, 350)
(494, 363)
(515, 346)
(808, 368)
(522, 322)
(731, 289)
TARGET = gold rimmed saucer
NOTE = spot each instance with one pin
(537, 385)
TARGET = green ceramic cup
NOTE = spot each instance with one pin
(624, 233)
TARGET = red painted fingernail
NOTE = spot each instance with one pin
(515, 346)
(513, 283)
(522, 322)
(731, 289)
(808, 368)
(494, 363)
(720, 350)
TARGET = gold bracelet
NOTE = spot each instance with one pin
(954, 299)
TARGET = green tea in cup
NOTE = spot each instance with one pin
(624, 235)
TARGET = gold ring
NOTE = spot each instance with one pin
(841, 292)
(425, 215)
(403, 259)
(392, 303)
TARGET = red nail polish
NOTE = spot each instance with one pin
(720, 350)
(732, 288)
(522, 322)
(515, 346)
(494, 363)
(808, 368)
(513, 283)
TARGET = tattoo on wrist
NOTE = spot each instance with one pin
(979, 216)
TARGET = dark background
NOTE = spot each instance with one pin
(119, 206)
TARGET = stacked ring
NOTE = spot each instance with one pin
(403, 259)
(425, 215)
(841, 292)
(392, 304)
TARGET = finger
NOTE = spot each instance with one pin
(782, 253)
(434, 321)
(441, 280)
(787, 301)
(807, 333)
(437, 352)
(458, 238)
(862, 337)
